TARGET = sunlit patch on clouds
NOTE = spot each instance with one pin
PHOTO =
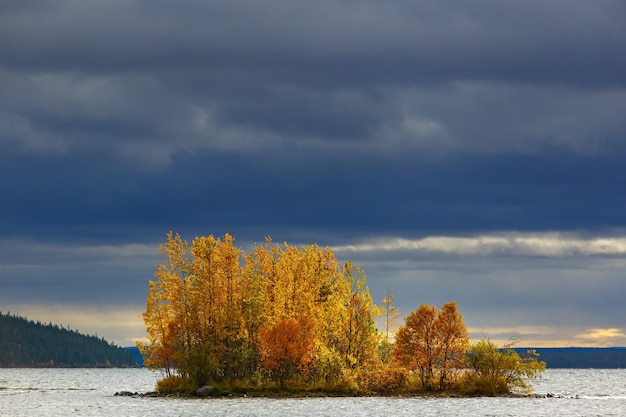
(529, 244)
(550, 336)
(535, 336)
(601, 337)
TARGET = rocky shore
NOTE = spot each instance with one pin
(208, 391)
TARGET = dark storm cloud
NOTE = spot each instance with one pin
(314, 195)
(328, 121)
(147, 78)
(483, 38)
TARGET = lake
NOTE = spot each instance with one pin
(90, 392)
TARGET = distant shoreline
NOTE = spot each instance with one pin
(580, 357)
(555, 358)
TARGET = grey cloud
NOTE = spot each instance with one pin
(540, 292)
(496, 117)
(332, 122)
(58, 273)
(397, 41)
(143, 77)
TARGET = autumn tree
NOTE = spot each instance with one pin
(193, 311)
(452, 341)
(215, 320)
(259, 276)
(432, 343)
(415, 344)
(500, 370)
(166, 307)
(286, 347)
(295, 282)
(389, 316)
(360, 319)
(215, 313)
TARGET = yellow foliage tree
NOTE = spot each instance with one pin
(166, 307)
(211, 317)
(287, 311)
(193, 311)
(360, 321)
(389, 316)
(216, 318)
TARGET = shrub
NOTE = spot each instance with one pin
(176, 384)
(501, 370)
(476, 384)
(346, 384)
(384, 380)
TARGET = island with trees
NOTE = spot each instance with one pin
(285, 319)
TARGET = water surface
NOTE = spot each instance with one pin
(90, 392)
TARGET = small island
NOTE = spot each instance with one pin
(284, 320)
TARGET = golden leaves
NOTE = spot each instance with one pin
(207, 307)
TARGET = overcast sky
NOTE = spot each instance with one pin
(468, 151)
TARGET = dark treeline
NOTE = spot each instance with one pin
(579, 357)
(25, 343)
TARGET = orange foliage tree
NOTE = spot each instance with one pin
(286, 347)
(433, 343)
(453, 341)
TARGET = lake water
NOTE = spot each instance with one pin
(90, 392)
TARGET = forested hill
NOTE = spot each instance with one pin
(579, 357)
(25, 343)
